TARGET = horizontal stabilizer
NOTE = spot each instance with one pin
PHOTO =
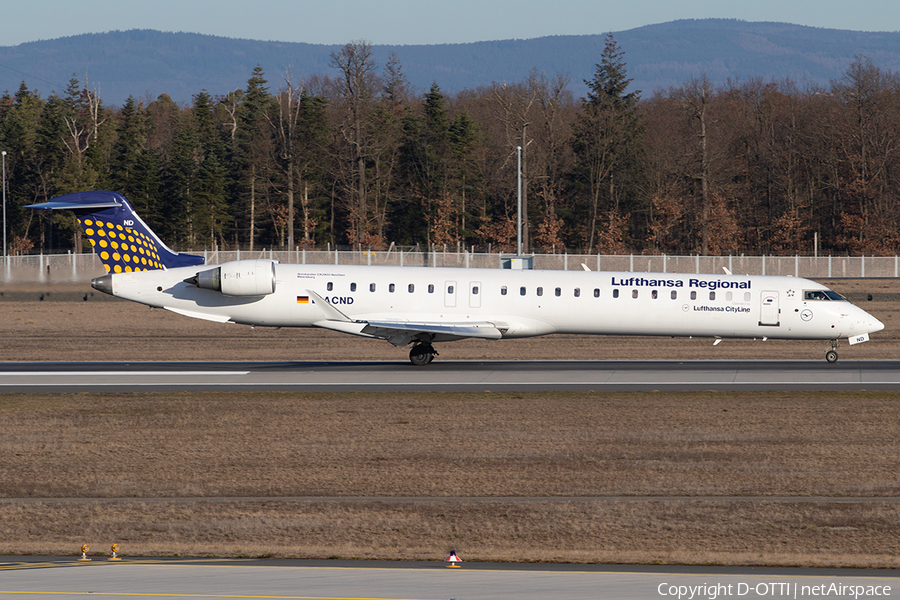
(77, 206)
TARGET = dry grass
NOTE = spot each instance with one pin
(451, 445)
(622, 532)
(573, 444)
(456, 445)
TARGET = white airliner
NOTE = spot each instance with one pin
(424, 305)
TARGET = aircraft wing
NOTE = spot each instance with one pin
(385, 329)
(401, 332)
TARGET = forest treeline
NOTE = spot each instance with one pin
(358, 159)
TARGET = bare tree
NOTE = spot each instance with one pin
(356, 65)
(512, 107)
(695, 97)
(866, 126)
(553, 120)
(284, 125)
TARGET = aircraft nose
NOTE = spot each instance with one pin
(873, 325)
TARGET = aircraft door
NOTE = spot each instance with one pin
(475, 294)
(450, 294)
(769, 310)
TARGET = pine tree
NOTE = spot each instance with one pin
(133, 167)
(21, 120)
(606, 140)
(253, 148)
(425, 156)
(180, 176)
(465, 137)
(211, 186)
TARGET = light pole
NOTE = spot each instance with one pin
(519, 206)
(5, 255)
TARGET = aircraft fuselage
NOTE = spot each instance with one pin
(520, 303)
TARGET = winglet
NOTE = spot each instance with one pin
(326, 307)
(120, 238)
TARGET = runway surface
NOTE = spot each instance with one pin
(449, 376)
(310, 579)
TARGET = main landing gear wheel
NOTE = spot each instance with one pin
(422, 354)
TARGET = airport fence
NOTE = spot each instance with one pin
(81, 268)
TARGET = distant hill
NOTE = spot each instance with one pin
(146, 63)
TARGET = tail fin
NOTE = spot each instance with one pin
(120, 238)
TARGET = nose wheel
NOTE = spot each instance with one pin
(831, 355)
(422, 354)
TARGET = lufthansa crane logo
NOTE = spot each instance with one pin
(806, 315)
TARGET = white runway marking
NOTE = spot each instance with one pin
(116, 373)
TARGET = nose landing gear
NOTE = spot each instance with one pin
(832, 355)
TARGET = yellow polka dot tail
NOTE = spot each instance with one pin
(120, 238)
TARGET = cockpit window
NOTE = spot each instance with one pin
(821, 295)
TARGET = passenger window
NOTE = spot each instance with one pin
(450, 289)
(597, 293)
(330, 286)
(654, 294)
(430, 288)
(674, 294)
(474, 290)
(371, 287)
(503, 290)
(411, 288)
(540, 291)
(577, 292)
(693, 294)
(729, 296)
(634, 293)
(615, 293)
(352, 287)
(391, 288)
(712, 295)
(559, 291)
(746, 296)
(522, 291)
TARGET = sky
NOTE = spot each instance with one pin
(416, 21)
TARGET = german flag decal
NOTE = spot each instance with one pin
(302, 299)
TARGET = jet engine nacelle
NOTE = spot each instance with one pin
(238, 278)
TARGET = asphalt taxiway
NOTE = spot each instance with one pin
(61, 578)
(450, 376)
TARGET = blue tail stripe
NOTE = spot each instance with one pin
(120, 238)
